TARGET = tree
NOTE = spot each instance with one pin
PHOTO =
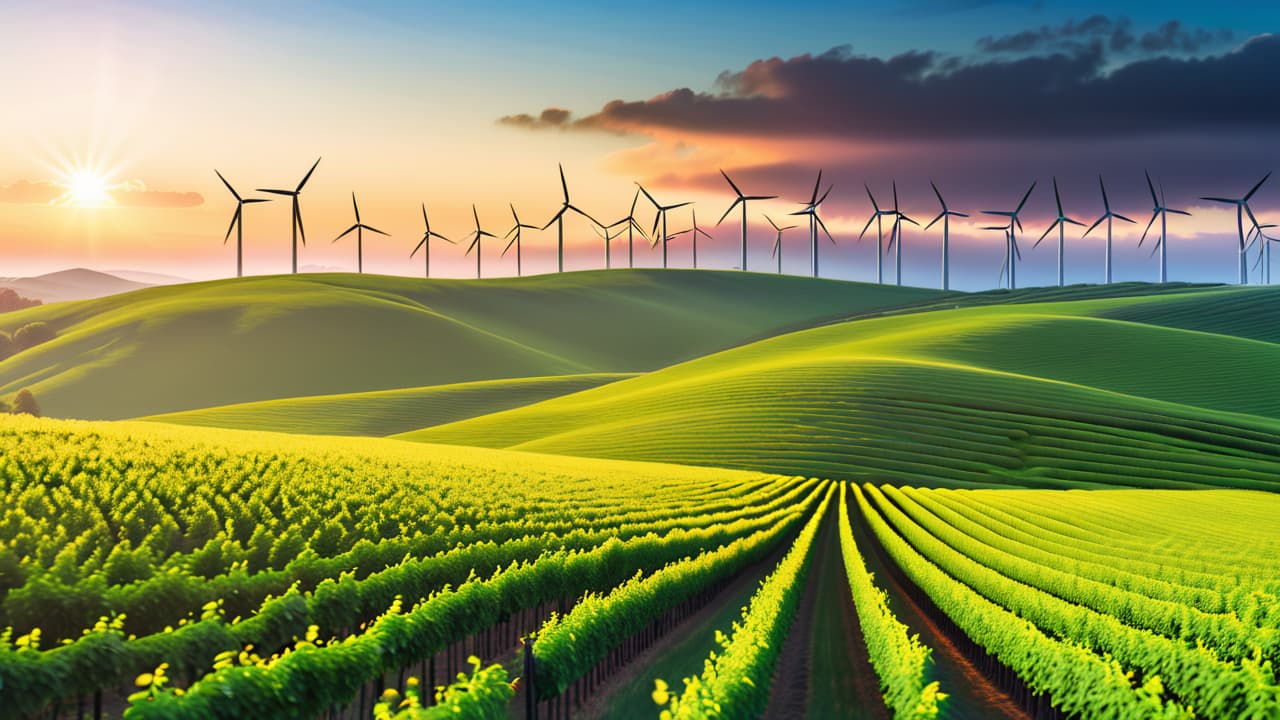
(32, 334)
(25, 403)
(11, 300)
(7, 346)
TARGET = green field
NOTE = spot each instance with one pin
(387, 412)
(187, 347)
(1050, 395)
(644, 490)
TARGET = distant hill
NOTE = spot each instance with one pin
(74, 284)
(199, 345)
(148, 278)
(1173, 390)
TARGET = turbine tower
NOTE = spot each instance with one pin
(632, 228)
(661, 216)
(1162, 211)
(945, 216)
(740, 200)
(1109, 215)
(558, 219)
(359, 229)
(514, 234)
(1242, 207)
(425, 242)
(896, 234)
(777, 244)
(877, 216)
(237, 223)
(1264, 252)
(811, 209)
(1061, 223)
(608, 236)
(699, 231)
(475, 242)
(1012, 253)
(297, 213)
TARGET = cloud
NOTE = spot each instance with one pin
(1102, 34)
(27, 192)
(135, 193)
(131, 193)
(923, 95)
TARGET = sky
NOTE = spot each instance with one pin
(119, 112)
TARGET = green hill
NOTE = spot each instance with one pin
(183, 347)
(386, 412)
(1031, 395)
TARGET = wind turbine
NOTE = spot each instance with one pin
(359, 229)
(1109, 215)
(632, 228)
(297, 213)
(740, 200)
(811, 209)
(945, 216)
(425, 242)
(237, 223)
(696, 231)
(558, 219)
(777, 244)
(1264, 252)
(1061, 223)
(876, 215)
(475, 242)
(661, 216)
(1162, 211)
(896, 233)
(1242, 207)
(514, 234)
(1012, 253)
(608, 236)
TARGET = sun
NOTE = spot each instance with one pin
(86, 189)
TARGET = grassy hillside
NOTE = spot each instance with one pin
(200, 345)
(1030, 395)
(386, 412)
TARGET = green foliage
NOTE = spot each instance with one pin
(733, 682)
(482, 695)
(32, 334)
(900, 660)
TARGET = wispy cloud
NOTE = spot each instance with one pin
(131, 193)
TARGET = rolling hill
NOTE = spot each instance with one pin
(183, 347)
(1045, 394)
(74, 284)
(387, 412)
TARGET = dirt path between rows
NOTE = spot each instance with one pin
(971, 695)
(824, 670)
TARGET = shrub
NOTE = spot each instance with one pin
(32, 334)
(25, 403)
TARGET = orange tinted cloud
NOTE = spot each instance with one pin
(132, 193)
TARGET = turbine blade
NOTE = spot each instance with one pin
(1057, 197)
(941, 202)
(874, 204)
(234, 194)
(771, 222)
(250, 201)
(1094, 225)
(374, 230)
(1150, 222)
(355, 206)
(647, 195)
(1177, 212)
(297, 215)
(935, 220)
(564, 185)
(1155, 201)
(726, 212)
(554, 218)
(277, 192)
(425, 221)
(1069, 221)
(421, 244)
(438, 235)
(1024, 199)
(731, 184)
(346, 232)
(1118, 216)
(1106, 204)
(824, 228)
(634, 199)
(234, 219)
(1045, 234)
(508, 247)
(307, 177)
(1228, 201)
(817, 183)
(1255, 187)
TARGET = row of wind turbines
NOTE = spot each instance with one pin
(1255, 237)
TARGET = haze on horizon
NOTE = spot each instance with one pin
(123, 110)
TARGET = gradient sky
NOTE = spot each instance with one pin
(404, 101)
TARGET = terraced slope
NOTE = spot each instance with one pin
(386, 412)
(1029, 395)
(200, 345)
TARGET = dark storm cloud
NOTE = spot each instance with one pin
(924, 96)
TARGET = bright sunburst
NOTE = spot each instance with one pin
(86, 189)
